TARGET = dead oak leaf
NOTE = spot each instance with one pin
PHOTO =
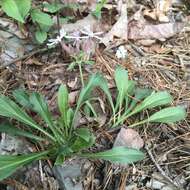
(119, 29)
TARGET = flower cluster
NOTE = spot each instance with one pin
(85, 34)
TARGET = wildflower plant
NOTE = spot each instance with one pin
(58, 138)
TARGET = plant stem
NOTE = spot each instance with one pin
(42, 130)
(81, 75)
(138, 123)
(121, 119)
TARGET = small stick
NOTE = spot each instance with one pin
(30, 54)
(163, 173)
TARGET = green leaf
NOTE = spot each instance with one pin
(53, 7)
(60, 159)
(9, 109)
(121, 80)
(9, 164)
(71, 66)
(41, 36)
(11, 130)
(99, 6)
(89, 109)
(70, 115)
(84, 133)
(140, 94)
(40, 106)
(73, 6)
(10, 7)
(41, 18)
(154, 100)
(23, 6)
(22, 97)
(81, 144)
(63, 101)
(96, 80)
(168, 115)
(120, 154)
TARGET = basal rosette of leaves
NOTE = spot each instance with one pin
(60, 138)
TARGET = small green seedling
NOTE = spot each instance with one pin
(80, 61)
(58, 137)
(98, 10)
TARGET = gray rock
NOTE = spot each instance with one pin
(13, 145)
(69, 174)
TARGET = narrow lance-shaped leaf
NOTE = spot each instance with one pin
(41, 107)
(168, 115)
(11, 130)
(22, 97)
(9, 164)
(140, 94)
(119, 154)
(63, 102)
(95, 80)
(104, 86)
(70, 115)
(9, 109)
(154, 100)
(90, 107)
(121, 80)
(130, 92)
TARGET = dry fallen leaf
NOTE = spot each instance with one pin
(72, 83)
(149, 31)
(129, 138)
(89, 21)
(88, 46)
(119, 29)
(73, 97)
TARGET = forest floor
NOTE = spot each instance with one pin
(151, 41)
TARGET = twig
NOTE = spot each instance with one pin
(162, 172)
(41, 171)
(30, 54)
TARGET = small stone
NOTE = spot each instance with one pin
(155, 184)
(69, 175)
(131, 187)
